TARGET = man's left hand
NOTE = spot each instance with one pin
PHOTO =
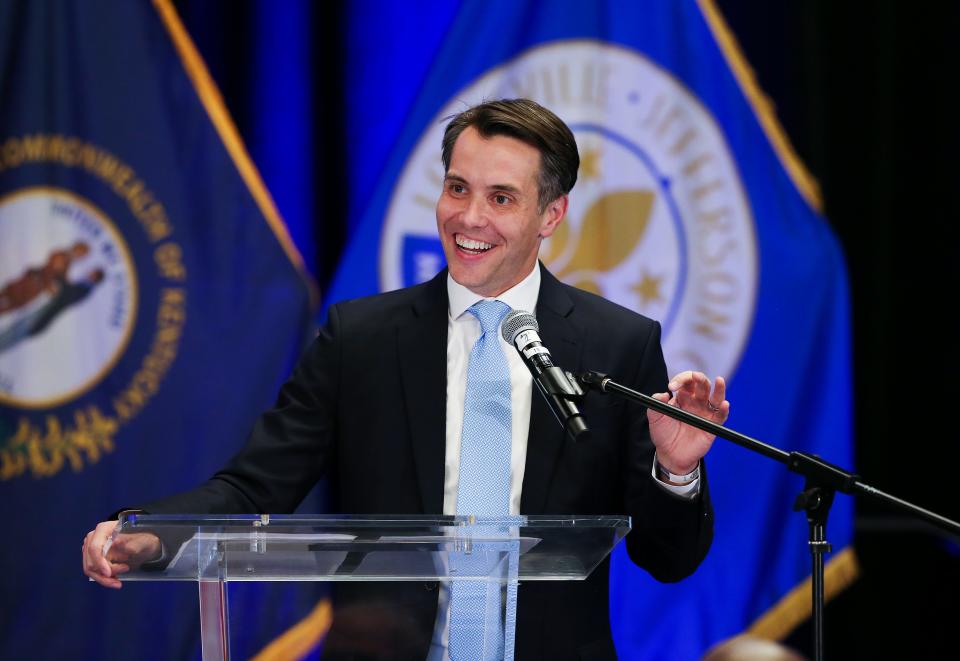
(680, 447)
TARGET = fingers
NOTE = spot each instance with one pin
(719, 390)
(690, 383)
(724, 411)
(718, 403)
(701, 387)
(692, 389)
(134, 549)
(693, 392)
(681, 380)
(95, 565)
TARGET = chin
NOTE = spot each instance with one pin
(471, 279)
(465, 276)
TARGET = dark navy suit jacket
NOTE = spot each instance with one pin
(365, 408)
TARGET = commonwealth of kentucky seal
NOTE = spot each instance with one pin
(658, 221)
(92, 302)
(68, 297)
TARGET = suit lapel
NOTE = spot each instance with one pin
(422, 343)
(546, 438)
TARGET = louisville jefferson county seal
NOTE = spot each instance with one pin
(658, 221)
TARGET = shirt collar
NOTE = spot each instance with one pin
(522, 296)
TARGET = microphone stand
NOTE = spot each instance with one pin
(822, 481)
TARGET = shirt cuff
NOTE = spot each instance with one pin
(686, 491)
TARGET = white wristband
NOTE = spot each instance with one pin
(672, 478)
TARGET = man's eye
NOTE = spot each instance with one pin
(501, 199)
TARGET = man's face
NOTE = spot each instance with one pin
(487, 214)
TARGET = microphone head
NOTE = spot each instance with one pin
(516, 322)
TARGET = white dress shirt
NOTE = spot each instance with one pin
(463, 331)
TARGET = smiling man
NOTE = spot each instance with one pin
(490, 214)
(411, 402)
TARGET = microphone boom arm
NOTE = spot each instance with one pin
(823, 479)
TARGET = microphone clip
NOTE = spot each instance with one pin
(561, 383)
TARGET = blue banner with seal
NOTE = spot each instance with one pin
(690, 208)
(144, 274)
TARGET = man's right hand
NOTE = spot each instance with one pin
(126, 552)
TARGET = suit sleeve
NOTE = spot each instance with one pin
(289, 449)
(671, 535)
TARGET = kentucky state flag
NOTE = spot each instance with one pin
(690, 208)
(150, 302)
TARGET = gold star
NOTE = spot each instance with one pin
(649, 288)
(589, 165)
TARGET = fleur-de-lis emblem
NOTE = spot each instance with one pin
(612, 229)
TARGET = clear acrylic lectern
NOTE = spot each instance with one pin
(216, 549)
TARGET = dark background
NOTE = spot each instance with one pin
(863, 91)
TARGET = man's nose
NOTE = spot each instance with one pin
(474, 214)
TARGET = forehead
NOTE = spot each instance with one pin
(498, 159)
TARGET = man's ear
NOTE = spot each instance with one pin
(552, 215)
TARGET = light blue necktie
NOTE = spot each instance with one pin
(484, 485)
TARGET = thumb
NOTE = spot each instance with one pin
(655, 416)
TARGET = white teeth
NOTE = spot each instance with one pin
(470, 244)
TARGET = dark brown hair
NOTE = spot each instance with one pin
(531, 123)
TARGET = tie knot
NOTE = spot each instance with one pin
(489, 314)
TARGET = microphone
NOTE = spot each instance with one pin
(560, 389)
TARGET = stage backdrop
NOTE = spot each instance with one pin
(690, 208)
(150, 302)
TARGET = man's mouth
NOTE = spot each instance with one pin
(471, 246)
